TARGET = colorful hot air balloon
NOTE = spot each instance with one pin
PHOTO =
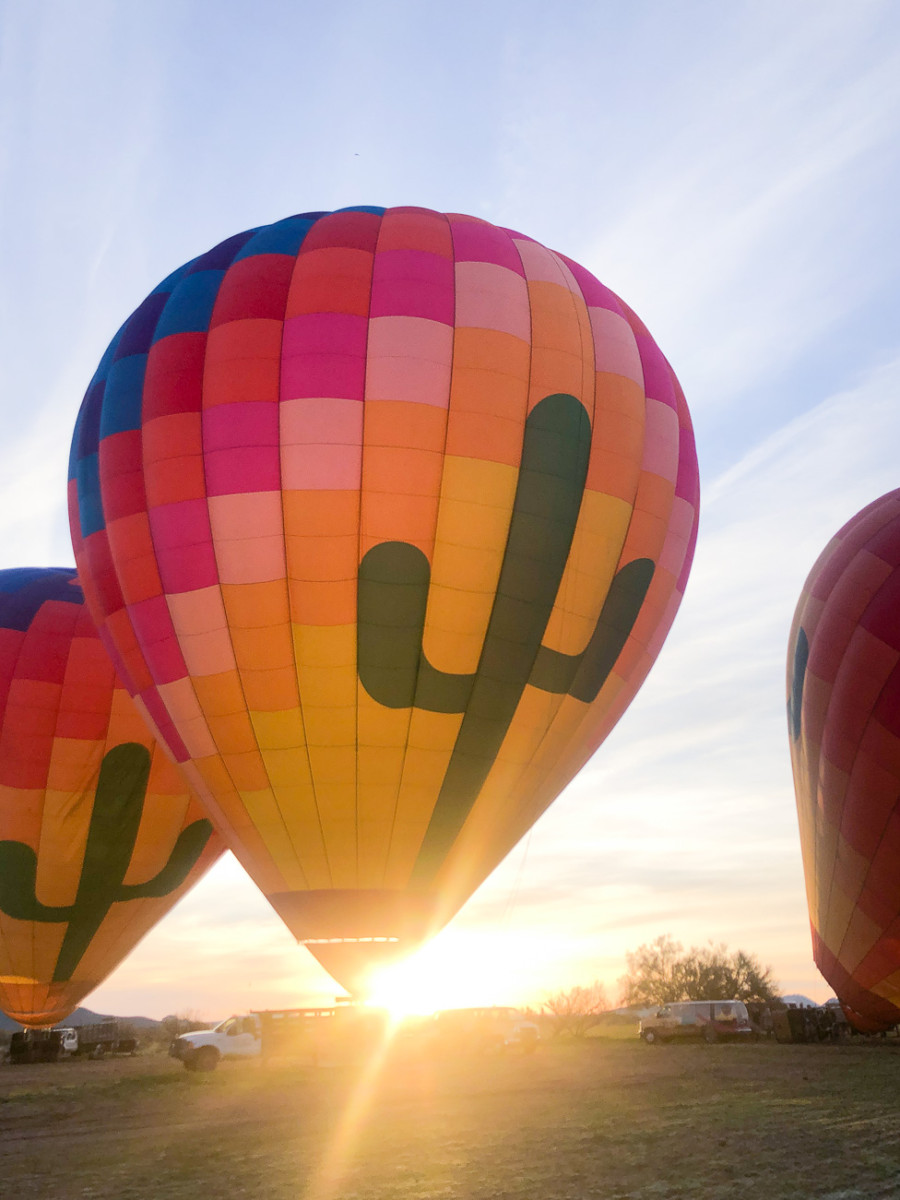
(99, 835)
(384, 515)
(844, 722)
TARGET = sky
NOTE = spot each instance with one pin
(730, 170)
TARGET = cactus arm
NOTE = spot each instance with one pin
(188, 848)
(583, 675)
(18, 892)
(552, 474)
(393, 592)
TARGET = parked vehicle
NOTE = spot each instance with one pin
(106, 1037)
(710, 1020)
(822, 1023)
(42, 1045)
(484, 1029)
(314, 1034)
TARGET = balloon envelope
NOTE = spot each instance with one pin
(844, 724)
(99, 834)
(385, 515)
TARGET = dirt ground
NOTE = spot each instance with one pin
(610, 1119)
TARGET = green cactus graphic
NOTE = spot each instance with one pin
(393, 593)
(116, 816)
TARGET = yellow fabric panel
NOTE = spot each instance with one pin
(64, 829)
(430, 743)
(278, 730)
(247, 770)
(20, 814)
(75, 764)
(269, 822)
(472, 529)
(325, 661)
(596, 548)
(381, 731)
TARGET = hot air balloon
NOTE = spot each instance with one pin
(844, 723)
(99, 834)
(384, 515)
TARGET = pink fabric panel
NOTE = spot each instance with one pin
(249, 537)
(658, 383)
(409, 360)
(596, 294)
(244, 469)
(324, 354)
(183, 545)
(687, 485)
(412, 283)
(153, 627)
(153, 706)
(615, 350)
(315, 421)
(660, 440)
(680, 525)
(475, 241)
(539, 262)
(492, 297)
(309, 468)
(240, 424)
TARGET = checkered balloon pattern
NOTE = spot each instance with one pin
(99, 834)
(844, 724)
(384, 515)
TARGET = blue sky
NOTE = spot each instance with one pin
(730, 170)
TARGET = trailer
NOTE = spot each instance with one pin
(344, 1033)
(105, 1037)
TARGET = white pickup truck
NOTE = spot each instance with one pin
(237, 1037)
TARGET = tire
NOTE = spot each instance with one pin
(98, 1052)
(650, 1037)
(709, 1035)
(206, 1059)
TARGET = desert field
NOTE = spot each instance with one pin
(611, 1119)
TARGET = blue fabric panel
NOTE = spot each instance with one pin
(86, 439)
(90, 506)
(283, 237)
(369, 208)
(137, 333)
(24, 589)
(221, 257)
(190, 305)
(170, 281)
(122, 398)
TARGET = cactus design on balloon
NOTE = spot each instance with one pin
(113, 830)
(394, 578)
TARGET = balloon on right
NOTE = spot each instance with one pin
(843, 690)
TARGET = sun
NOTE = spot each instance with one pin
(450, 972)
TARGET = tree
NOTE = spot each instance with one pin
(660, 972)
(577, 1010)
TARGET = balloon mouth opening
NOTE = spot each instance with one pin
(340, 941)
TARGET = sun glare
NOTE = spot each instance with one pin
(447, 973)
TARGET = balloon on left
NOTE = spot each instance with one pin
(99, 833)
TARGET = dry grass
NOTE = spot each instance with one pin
(611, 1119)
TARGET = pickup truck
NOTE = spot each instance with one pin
(202, 1049)
(42, 1045)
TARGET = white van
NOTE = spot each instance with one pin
(710, 1020)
